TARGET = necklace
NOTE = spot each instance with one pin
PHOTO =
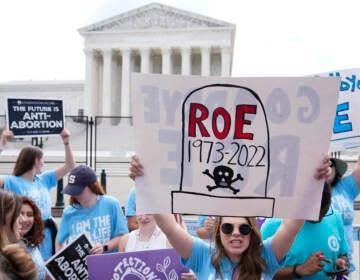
(145, 245)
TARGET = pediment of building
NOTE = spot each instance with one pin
(154, 16)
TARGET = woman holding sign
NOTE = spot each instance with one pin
(237, 250)
(28, 180)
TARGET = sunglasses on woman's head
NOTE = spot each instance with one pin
(228, 228)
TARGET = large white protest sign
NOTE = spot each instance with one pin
(346, 130)
(231, 146)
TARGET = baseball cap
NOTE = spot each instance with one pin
(340, 165)
(79, 178)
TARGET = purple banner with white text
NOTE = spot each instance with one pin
(152, 264)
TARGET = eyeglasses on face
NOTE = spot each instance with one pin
(228, 228)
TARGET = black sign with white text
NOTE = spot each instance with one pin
(35, 117)
(70, 262)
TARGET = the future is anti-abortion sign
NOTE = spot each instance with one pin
(34, 117)
(231, 146)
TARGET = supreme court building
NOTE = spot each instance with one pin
(151, 39)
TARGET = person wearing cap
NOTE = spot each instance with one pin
(91, 211)
(28, 180)
(345, 189)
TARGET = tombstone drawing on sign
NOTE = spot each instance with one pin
(225, 142)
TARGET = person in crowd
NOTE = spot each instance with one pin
(10, 206)
(238, 251)
(205, 227)
(11, 228)
(345, 190)
(32, 233)
(91, 211)
(148, 236)
(319, 248)
(130, 212)
(28, 180)
(16, 263)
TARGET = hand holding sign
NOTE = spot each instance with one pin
(5, 136)
(65, 135)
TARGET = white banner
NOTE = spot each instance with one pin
(231, 146)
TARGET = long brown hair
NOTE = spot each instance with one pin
(95, 187)
(9, 202)
(251, 264)
(16, 263)
(26, 159)
(36, 234)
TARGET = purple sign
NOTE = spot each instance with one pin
(260, 221)
(161, 264)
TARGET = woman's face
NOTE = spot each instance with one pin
(234, 243)
(145, 220)
(39, 163)
(12, 231)
(27, 221)
(84, 197)
(330, 178)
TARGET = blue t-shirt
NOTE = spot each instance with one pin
(326, 236)
(130, 209)
(102, 222)
(342, 198)
(201, 221)
(39, 262)
(200, 261)
(39, 192)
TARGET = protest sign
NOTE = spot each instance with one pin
(70, 262)
(34, 117)
(161, 264)
(346, 130)
(231, 146)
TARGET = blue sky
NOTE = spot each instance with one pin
(40, 40)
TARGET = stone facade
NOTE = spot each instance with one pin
(152, 39)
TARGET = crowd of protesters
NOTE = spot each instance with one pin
(225, 248)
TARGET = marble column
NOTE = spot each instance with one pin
(145, 60)
(205, 61)
(166, 60)
(107, 86)
(185, 60)
(125, 83)
(225, 61)
(89, 83)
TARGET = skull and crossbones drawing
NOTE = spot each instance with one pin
(223, 178)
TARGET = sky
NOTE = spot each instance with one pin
(40, 39)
